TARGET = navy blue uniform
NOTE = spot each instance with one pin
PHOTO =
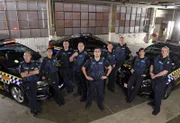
(30, 85)
(110, 57)
(79, 76)
(66, 69)
(120, 54)
(140, 66)
(159, 83)
(96, 69)
(49, 69)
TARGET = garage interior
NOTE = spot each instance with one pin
(141, 22)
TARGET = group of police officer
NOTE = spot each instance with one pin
(91, 73)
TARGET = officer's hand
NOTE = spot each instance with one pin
(26, 72)
(43, 78)
(152, 75)
(114, 66)
(104, 77)
(75, 54)
(89, 78)
(71, 59)
(132, 70)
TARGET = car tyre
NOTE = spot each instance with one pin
(17, 94)
(168, 90)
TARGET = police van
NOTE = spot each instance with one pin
(11, 54)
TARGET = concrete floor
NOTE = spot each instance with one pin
(116, 110)
(72, 112)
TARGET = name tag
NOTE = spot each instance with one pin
(143, 61)
(100, 62)
(160, 62)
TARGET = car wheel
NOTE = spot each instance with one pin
(17, 94)
(168, 91)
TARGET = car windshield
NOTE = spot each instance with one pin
(154, 50)
(20, 49)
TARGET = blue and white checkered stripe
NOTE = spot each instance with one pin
(12, 79)
(172, 76)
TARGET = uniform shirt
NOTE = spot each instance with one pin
(140, 65)
(110, 57)
(96, 69)
(80, 60)
(49, 66)
(161, 64)
(121, 52)
(28, 67)
(63, 57)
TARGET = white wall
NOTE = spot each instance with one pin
(37, 44)
(131, 38)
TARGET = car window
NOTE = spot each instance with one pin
(2, 60)
(74, 42)
(21, 49)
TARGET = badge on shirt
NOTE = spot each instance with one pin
(143, 61)
(100, 62)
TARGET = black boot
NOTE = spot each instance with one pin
(101, 107)
(83, 99)
(88, 105)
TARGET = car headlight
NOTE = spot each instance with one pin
(147, 82)
(143, 75)
(42, 83)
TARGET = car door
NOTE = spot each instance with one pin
(175, 73)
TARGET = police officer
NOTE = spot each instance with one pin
(49, 71)
(80, 57)
(29, 72)
(121, 51)
(140, 67)
(94, 71)
(65, 58)
(110, 57)
(158, 72)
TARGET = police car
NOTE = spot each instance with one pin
(11, 54)
(90, 41)
(151, 52)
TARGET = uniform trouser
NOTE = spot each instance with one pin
(56, 91)
(111, 80)
(135, 80)
(81, 83)
(31, 92)
(158, 88)
(96, 86)
(67, 74)
(118, 65)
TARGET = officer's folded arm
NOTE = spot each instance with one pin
(26, 74)
(35, 71)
